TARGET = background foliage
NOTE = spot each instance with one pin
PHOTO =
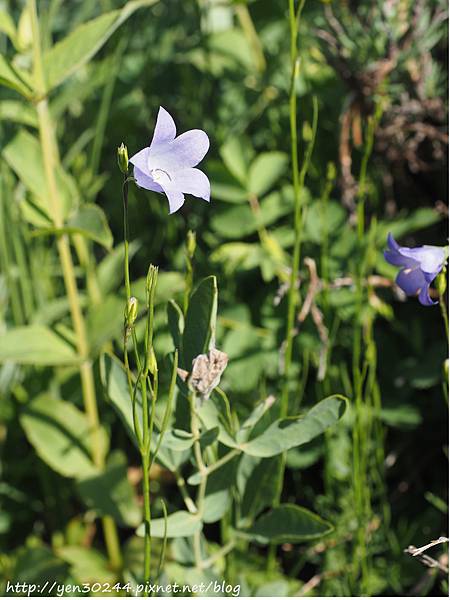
(378, 72)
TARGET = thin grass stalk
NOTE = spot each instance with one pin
(5, 261)
(50, 158)
(361, 352)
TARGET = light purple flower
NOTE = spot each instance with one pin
(419, 267)
(167, 165)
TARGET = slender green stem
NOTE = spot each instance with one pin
(126, 265)
(444, 313)
(219, 554)
(222, 461)
(181, 483)
(294, 18)
(50, 158)
(361, 427)
(195, 430)
(147, 518)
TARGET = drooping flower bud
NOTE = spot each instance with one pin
(122, 158)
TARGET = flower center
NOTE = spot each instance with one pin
(160, 176)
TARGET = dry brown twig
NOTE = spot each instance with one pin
(425, 559)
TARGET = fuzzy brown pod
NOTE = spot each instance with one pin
(206, 372)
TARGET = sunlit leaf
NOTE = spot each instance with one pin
(35, 345)
(179, 524)
(77, 48)
(61, 436)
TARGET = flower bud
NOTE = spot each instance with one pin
(191, 243)
(331, 171)
(441, 282)
(122, 158)
(131, 311)
(151, 365)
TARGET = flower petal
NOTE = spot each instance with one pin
(395, 258)
(140, 160)
(430, 258)
(392, 243)
(145, 181)
(187, 150)
(165, 129)
(424, 297)
(411, 281)
(175, 198)
(191, 181)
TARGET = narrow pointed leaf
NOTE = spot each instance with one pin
(200, 327)
(14, 78)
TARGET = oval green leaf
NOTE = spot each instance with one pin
(36, 345)
(288, 523)
(284, 434)
(179, 524)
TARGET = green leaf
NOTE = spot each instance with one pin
(169, 284)
(219, 491)
(200, 327)
(235, 222)
(175, 321)
(110, 270)
(35, 345)
(212, 418)
(407, 223)
(110, 492)
(7, 25)
(114, 381)
(288, 523)
(17, 111)
(265, 170)
(239, 221)
(61, 436)
(177, 440)
(224, 186)
(284, 434)
(14, 78)
(179, 524)
(105, 322)
(24, 156)
(237, 256)
(402, 415)
(91, 222)
(257, 413)
(87, 565)
(38, 566)
(115, 385)
(261, 474)
(77, 48)
(235, 158)
(323, 220)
